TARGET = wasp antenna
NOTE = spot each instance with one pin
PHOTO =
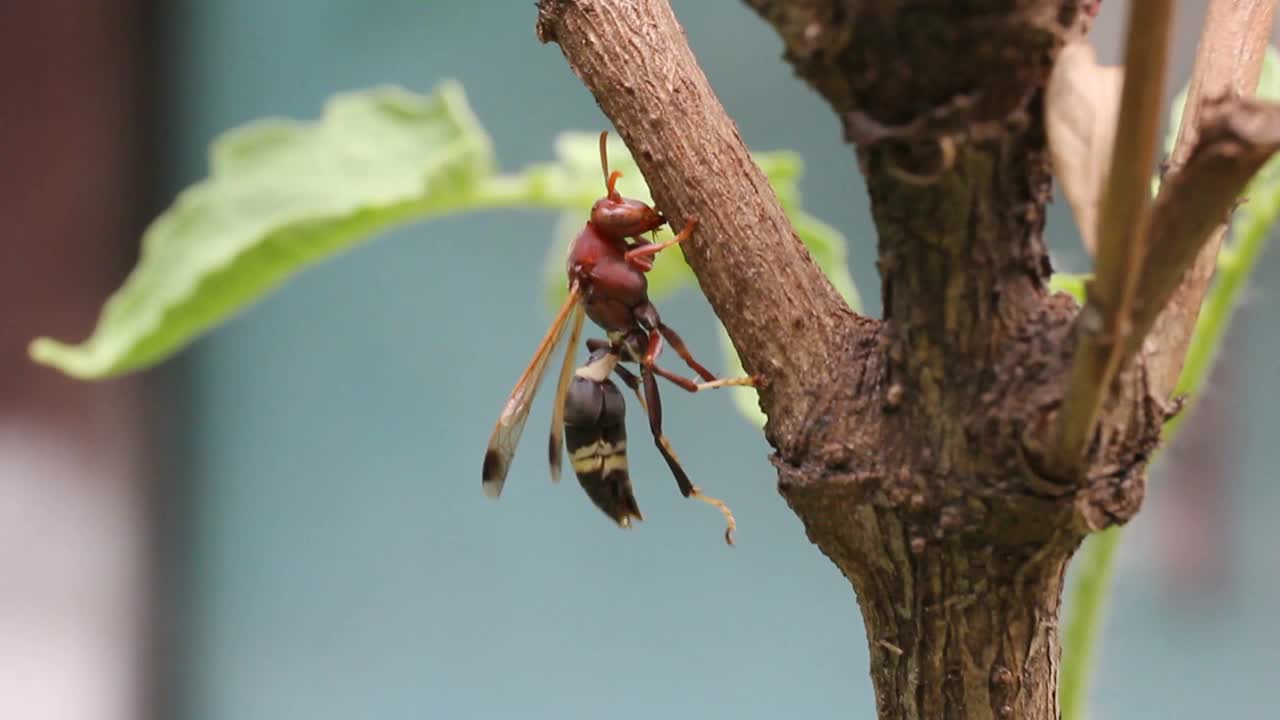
(604, 155)
(610, 178)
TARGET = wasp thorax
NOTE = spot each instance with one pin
(621, 217)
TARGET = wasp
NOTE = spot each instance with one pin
(606, 270)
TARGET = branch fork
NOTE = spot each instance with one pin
(964, 446)
(1155, 259)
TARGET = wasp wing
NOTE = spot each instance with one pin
(506, 433)
(562, 389)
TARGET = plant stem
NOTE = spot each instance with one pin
(1086, 614)
(1086, 611)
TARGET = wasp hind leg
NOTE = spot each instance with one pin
(686, 384)
(653, 406)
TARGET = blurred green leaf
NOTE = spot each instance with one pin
(1175, 120)
(281, 196)
(1070, 283)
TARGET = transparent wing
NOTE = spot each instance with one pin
(562, 389)
(506, 433)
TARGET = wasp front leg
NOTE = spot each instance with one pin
(640, 254)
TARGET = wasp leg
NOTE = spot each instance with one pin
(639, 254)
(693, 387)
(650, 315)
(653, 406)
(677, 343)
(632, 382)
(655, 332)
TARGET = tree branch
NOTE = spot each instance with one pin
(917, 481)
(1154, 267)
(908, 448)
(1106, 321)
(1228, 65)
(775, 302)
(1236, 137)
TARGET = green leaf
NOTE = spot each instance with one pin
(1175, 120)
(281, 196)
(1269, 79)
(1070, 283)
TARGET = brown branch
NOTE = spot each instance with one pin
(1122, 231)
(1163, 272)
(909, 449)
(1228, 64)
(775, 302)
(1236, 137)
(908, 468)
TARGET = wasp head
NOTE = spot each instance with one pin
(616, 216)
(619, 217)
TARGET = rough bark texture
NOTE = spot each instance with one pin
(957, 547)
(910, 447)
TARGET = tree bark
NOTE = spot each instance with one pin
(913, 447)
(958, 547)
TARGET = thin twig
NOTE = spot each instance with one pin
(1236, 138)
(1228, 64)
(1122, 227)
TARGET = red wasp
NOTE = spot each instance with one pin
(606, 266)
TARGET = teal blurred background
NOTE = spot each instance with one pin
(327, 552)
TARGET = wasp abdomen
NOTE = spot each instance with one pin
(596, 437)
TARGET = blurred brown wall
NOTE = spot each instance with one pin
(73, 525)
